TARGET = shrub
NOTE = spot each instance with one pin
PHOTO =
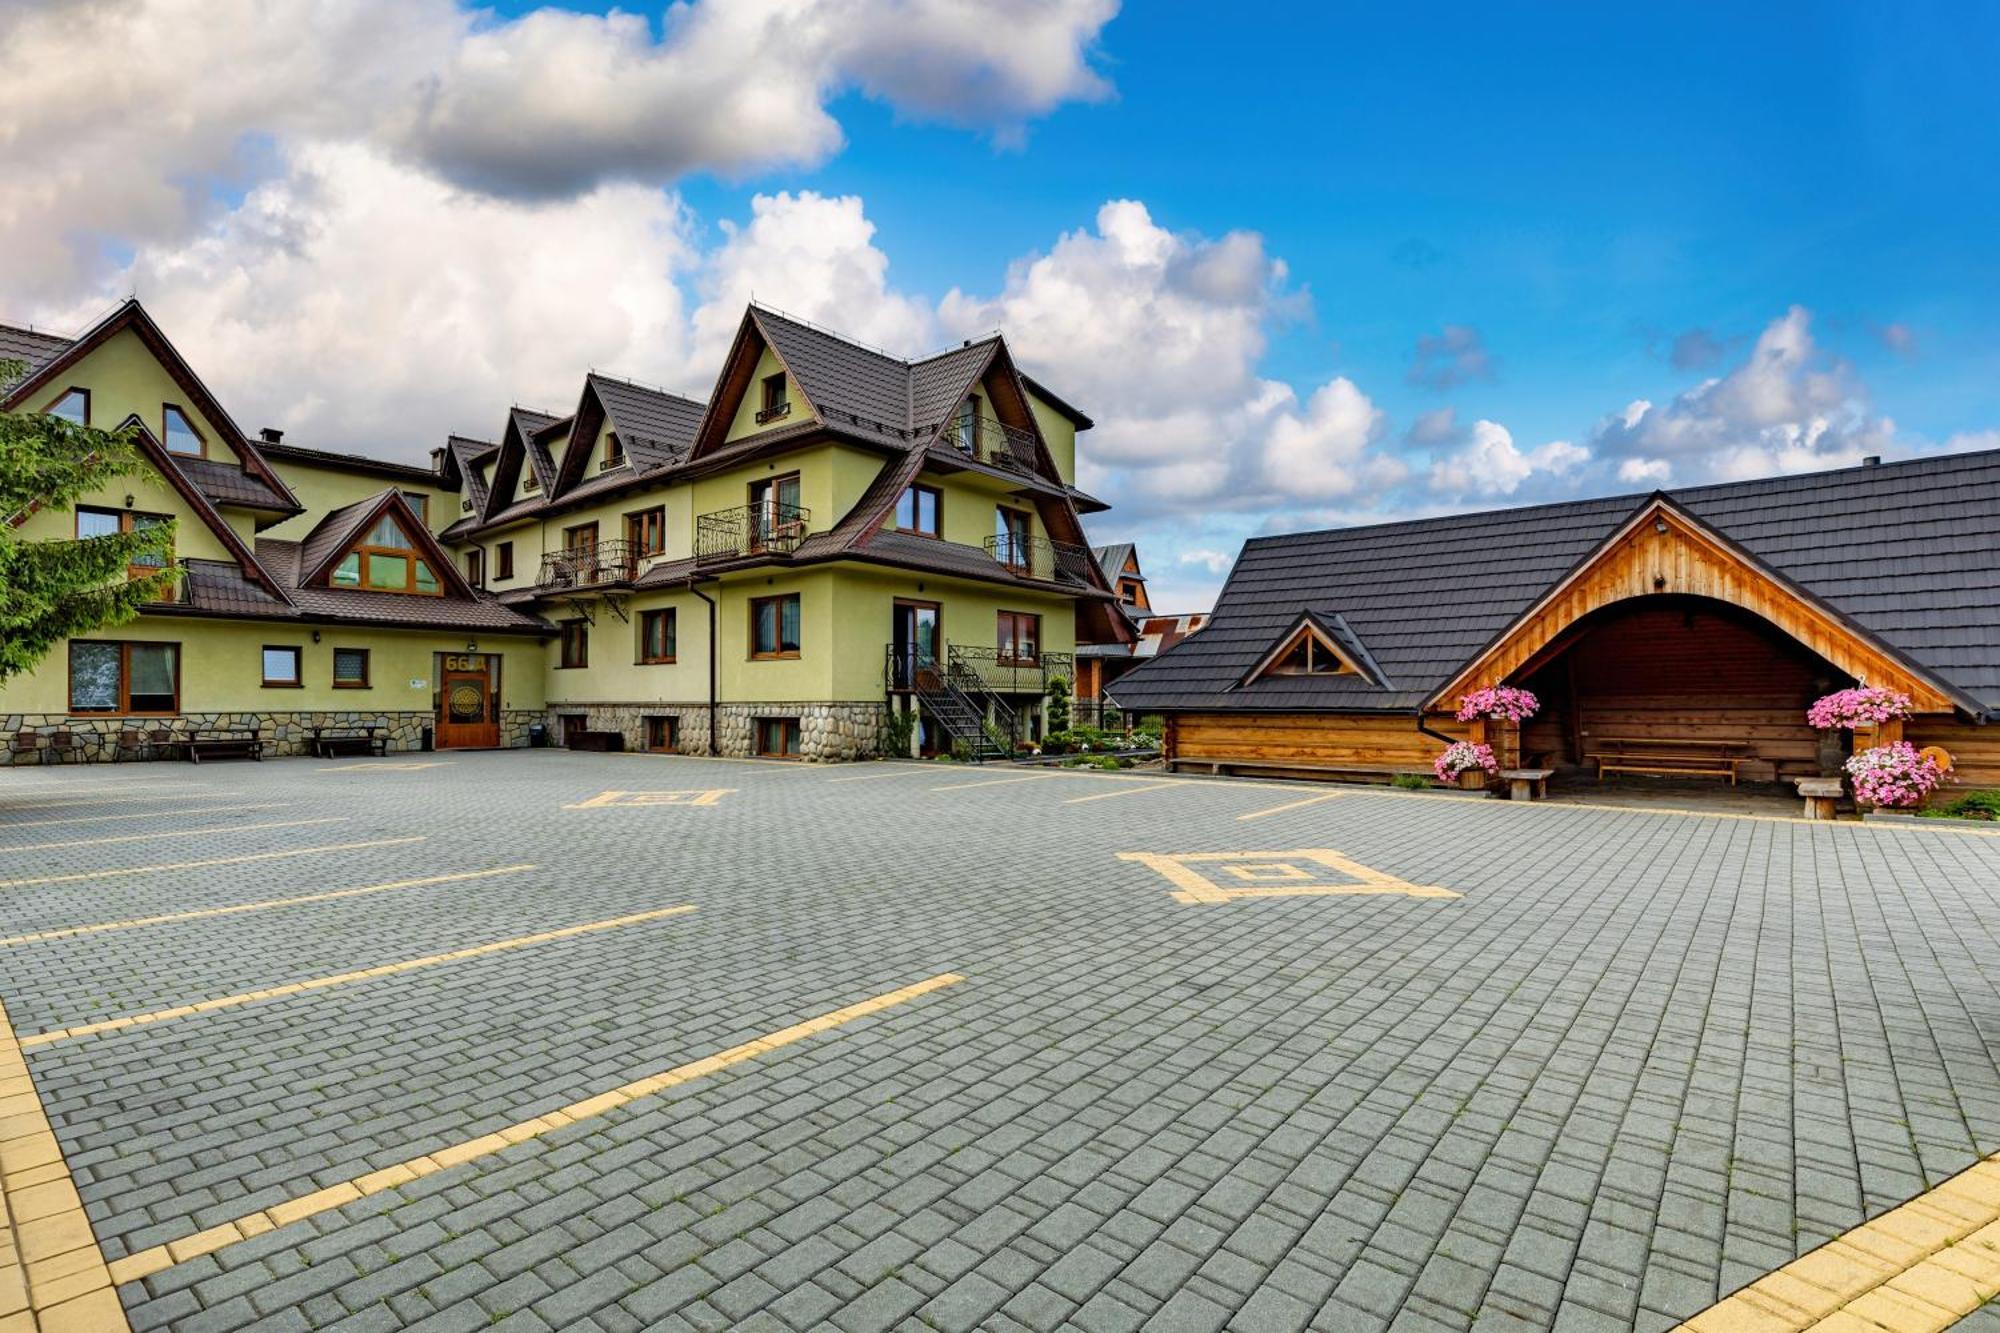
(1055, 711)
(1410, 782)
(1864, 706)
(1972, 805)
(1112, 761)
(1895, 777)
(1463, 757)
(897, 726)
(1058, 742)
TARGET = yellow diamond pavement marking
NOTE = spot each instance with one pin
(262, 905)
(1306, 872)
(343, 978)
(147, 1262)
(1129, 791)
(1918, 1268)
(604, 800)
(1293, 805)
(212, 861)
(53, 1278)
(172, 833)
(148, 814)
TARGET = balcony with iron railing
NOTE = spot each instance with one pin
(994, 443)
(1013, 671)
(1041, 559)
(595, 565)
(750, 530)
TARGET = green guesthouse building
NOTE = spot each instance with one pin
(834, 537)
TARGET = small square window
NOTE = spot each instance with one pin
(657, 636)
(350, 668)
(774, 626)
(419, 502)
(778, 737)
(281, 668)
(663, 734)
(777, 400)
(576, 643)
(918, 510)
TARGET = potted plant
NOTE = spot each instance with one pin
(1466, 763)
(1498, 712)
(1860, 710)
(1893, 777)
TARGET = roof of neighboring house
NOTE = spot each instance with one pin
(371, 467)
(1905, 552)
(31, 347)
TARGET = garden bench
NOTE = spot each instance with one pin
(363, 739)
(1666, 757)
(609, 742)
(245, 744)
(1527, 784)
(1821, 795)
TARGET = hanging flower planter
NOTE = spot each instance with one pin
(1498, 703)
(1894, 777)
(1466, 764)
(1860, 709)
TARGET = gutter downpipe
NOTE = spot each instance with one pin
(1425, 728)
(711, 662)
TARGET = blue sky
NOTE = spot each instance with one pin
(1643, 246)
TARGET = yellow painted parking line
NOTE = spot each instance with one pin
(405, 766)
(1129, 791)
(172, 833)
(124, 800)
(343, 978)
(1293, 805)
(53, 1278)
(212, 861)
(145, 814)
(1918, 1268)
(265, 904)
(147, 1262)
(990, 782)
(869, 777)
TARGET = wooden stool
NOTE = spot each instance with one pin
(1822, 795)
(1527, 784)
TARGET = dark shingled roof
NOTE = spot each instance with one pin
(1907, 552)
(937, 383)
(228, 483)
(288, 560)
(855, 385)
(656, 427)
(28, 346)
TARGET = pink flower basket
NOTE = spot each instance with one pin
(1462, 757)
(1895, 777)
(1863, 706)
(1498, 703)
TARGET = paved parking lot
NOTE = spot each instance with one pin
(643, 1042)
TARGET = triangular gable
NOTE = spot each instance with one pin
(1662, 549)
(999, 368)
(1319, 634)
(340, 531)
(513, 455)
(131, 315)
(739, 372)
(163, 460)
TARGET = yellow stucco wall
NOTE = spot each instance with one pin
(323, 489)
(124, 379)
(969, 616)
(615, 675)
(752, 402)
(222, 667)
(1060, 435)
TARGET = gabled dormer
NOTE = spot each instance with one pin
(972, 402)
(624, 429)
(759, 390)
(1316, 646)
(520, 466)
(378, 545)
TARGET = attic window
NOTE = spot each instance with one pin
(1307, 653)
(614, 452)
(777, 401)
(965, 432)
(73, 406)
(386, 560)
(179, 433)
(529, 481)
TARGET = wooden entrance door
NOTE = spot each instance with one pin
(468, 714)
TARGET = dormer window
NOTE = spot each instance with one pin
(179, 434)
(386, 560)
(73, 406)
(614, 453)
(777, 399)
(965, 431)
(1307, 653)
(529, 481)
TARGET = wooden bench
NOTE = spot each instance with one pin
(1822, 795)
(1527, 784)
(1666, 757)
(362, 740)
(609, 742)
(222, 745)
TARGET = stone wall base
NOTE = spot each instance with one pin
(31, 738)
(827, 731)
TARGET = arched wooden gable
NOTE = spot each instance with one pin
(1663, 549)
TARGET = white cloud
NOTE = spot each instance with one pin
(1215, 562)
(216, 95)
(1645, 471)
(1491, 464)
(1787, 408)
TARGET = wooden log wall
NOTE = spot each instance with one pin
(1975, 751)
(1359, 741)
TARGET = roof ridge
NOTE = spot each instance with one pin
(644, 387)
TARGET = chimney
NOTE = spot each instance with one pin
(1873, 460)
(437, 460)
(271, 434)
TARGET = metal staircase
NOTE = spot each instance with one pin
(956, 697)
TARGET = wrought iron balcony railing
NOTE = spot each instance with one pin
(992, 442)
(595, 565)
(1042, 559)
(1002, 671)
(750, 530)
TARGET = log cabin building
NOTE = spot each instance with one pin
(1700, 621)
